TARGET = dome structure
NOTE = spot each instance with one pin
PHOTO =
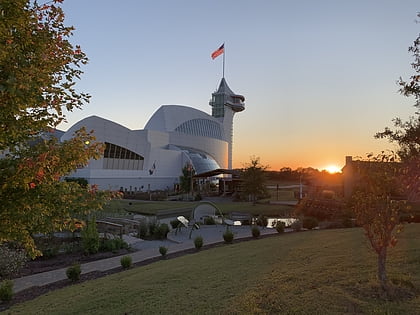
(153, 158)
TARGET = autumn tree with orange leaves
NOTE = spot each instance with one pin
(38, 71)
(378, 201)
(388, 181)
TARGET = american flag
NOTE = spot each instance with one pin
(218, 51)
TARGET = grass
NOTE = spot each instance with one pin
(116, 208)
(281, 195)
(316, 272)
(144, 207)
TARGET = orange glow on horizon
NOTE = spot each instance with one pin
(332, 169)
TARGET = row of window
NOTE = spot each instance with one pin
(218, 108)
(119, 158)
(122, 164)
(201, 127)
(116, 152)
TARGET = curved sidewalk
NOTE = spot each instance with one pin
(145, 250)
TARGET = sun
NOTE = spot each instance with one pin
(332, 169)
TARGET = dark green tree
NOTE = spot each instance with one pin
(254, 179)
(186, 179)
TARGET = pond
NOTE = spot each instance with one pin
(271, 222)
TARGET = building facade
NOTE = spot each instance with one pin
(175, 136)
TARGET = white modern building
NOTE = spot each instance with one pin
(175, 136)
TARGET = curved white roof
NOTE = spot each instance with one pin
(98, 124)
(168, 117)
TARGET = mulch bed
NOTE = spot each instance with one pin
(66, 260)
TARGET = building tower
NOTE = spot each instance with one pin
(224, 105)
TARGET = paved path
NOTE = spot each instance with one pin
(144, 250)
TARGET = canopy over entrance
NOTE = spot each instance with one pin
(219, 171)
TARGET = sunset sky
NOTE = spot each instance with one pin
(319, 77)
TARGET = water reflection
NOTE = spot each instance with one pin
(271, 222)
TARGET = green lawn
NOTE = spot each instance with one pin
(316, 272)
(116, 207)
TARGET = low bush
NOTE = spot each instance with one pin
(73, 272)
(90, 238)
(152, 225)
(121, 244)
(163, 250)
(72, 247)
(198, 242)
(296, 225)
(126, 262)
(161, 231)
(209, 221)
(113, 245)
(280, 226)
(50, 252)
(255, 231)
(107, 245)
(228, 236)
(142, 229)
(262, 220)
(174, 223)
(48, 245)
(309, 223)
(6, 290)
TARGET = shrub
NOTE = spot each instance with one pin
(90, 238)
(324, 209)
(120, 243)
(296, 226)
(73, 272)
(152, 226)
(161, 231)
(71, 247)
(198, 242)
(51, 251)
(209, 221)
(262, 221)
(228, 236)
(142, 229)
(6, 290)
(309, 223)
(11, 260)
(174, 223)
(280, 226)
(108, 245)
(113, 245)
(126, 262)
(163, 250)
(255, 231)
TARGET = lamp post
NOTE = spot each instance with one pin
(300, 187)
(192, 186)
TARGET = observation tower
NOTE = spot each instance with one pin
(224, 105)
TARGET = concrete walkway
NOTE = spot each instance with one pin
(145, 250)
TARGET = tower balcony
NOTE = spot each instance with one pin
(236, 104)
